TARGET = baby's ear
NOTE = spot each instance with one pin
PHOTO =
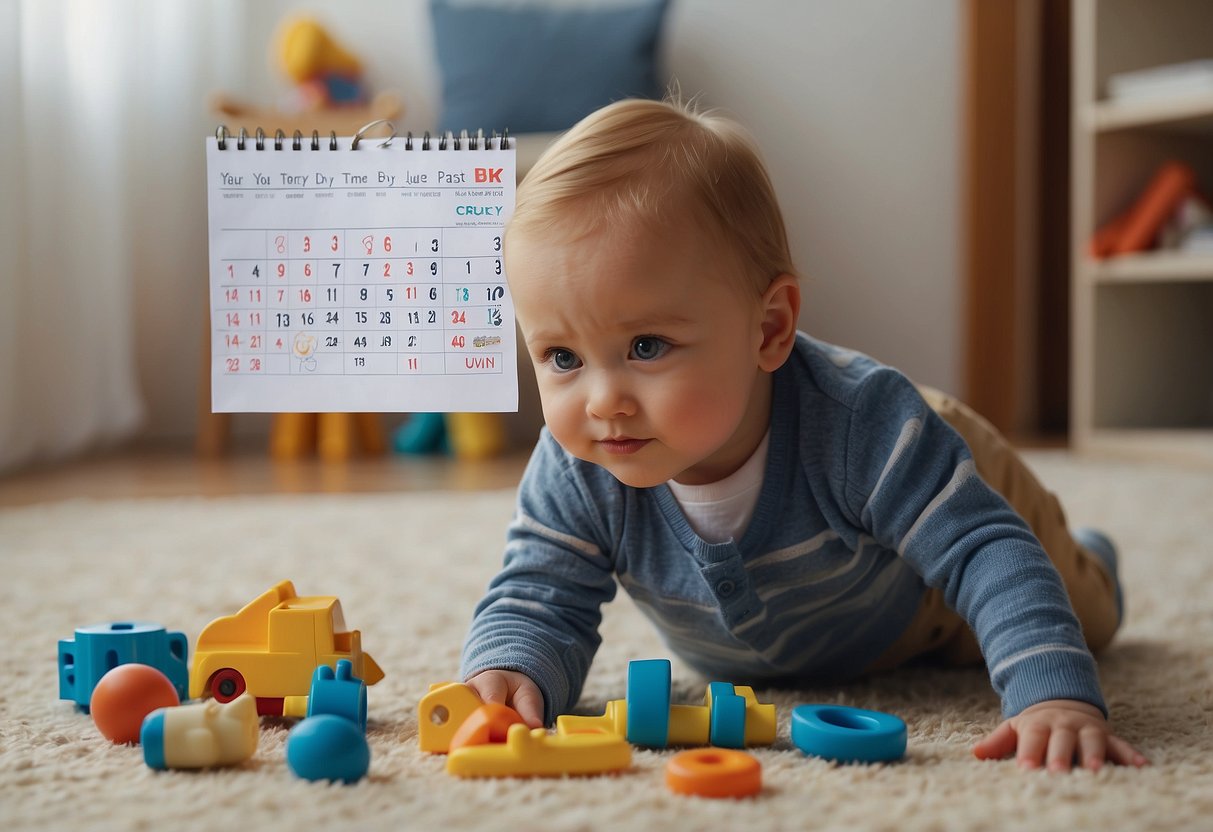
(780, 316)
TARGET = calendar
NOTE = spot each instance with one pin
(359, 276)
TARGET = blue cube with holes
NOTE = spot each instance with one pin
(96, 650)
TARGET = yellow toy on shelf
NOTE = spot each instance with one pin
(326, 74)
(272, 646)
(533, 752)
(475, 436)
(689, 724)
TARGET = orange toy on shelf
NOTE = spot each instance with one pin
(1138, 228)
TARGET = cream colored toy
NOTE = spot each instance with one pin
(200, 736)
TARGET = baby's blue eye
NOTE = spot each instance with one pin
(564, 360)
(649, 347)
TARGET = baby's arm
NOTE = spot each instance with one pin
(1055, 733)
(540, 614)
(509, 687)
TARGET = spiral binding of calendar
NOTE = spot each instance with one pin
(461, 141)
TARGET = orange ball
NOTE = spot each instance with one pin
(124, 696)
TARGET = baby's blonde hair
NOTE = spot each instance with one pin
(642, 164)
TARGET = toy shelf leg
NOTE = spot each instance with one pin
(371, 435)
(292, 435)
(334, 436)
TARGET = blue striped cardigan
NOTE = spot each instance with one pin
(868, 497)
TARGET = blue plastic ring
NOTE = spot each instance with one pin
(727, 719)
(649, 702)
(848, 735)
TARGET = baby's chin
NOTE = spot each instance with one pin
(635, 476)
(635, 480)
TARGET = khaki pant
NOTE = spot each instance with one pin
(938, 631)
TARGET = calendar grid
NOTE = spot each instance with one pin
(317, 299)
(295, 312)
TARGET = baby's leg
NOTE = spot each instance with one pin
(1091, 588)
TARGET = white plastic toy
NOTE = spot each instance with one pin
(210, 733)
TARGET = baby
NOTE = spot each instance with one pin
(782, 509)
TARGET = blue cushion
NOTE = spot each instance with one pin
(536, 69)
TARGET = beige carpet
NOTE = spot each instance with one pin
(408, 569)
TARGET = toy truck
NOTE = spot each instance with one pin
(272, 646)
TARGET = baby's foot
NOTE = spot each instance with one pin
(1098, 544)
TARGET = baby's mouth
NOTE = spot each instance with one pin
(623, 445)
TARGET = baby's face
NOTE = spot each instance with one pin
(646, 353)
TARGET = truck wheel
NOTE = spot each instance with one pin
(226, 684)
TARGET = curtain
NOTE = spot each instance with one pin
(101, 162)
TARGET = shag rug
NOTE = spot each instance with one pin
(408, 569)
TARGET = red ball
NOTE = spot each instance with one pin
(124, 696)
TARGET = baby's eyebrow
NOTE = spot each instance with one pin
(647, 322)
(545, 338)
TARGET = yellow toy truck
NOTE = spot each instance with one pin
(272, 647)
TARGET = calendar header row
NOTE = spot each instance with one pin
(487, 177)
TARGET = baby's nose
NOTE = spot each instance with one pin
(609, 398)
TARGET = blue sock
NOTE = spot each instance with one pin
(1098, 544)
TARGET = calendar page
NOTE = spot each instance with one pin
(366, 279)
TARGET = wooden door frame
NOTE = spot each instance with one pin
(1015, 235)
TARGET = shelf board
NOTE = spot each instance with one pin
(1190, 110)
(1188, 446)
(1154, 266)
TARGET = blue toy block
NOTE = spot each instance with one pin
(648, 702)
(340, 694)
(727, 716)
(848, 735)
(96, 650)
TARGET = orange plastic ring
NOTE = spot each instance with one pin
(714, 772)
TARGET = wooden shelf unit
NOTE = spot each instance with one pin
(1142, 324)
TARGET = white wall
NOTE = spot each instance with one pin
(855, 104)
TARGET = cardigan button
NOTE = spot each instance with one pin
(725, 588)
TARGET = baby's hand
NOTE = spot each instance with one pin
(509, 687)
(1055, 732)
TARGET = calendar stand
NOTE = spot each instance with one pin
(334, 436)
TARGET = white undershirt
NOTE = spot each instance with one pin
(720, 511)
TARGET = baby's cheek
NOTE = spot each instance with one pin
(703, 416)
(564, 419)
